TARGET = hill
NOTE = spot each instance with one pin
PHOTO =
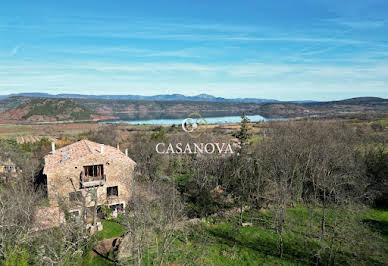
(135, 109)
(130, 109)
(24, 108)
(161, 97)
(44, 110)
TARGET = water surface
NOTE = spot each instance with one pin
(210, 120)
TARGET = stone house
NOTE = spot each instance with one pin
(7, 169)
(85, 175)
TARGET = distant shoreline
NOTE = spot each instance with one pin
(177, 121)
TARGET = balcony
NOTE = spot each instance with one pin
(92, 181)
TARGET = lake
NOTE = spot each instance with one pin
(210, 120)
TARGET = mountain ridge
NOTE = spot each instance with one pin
(158, 97)
(22, 108)
(172, 97)
(48, 110)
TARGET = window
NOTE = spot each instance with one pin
(100, 212)
(94, 170)
(112, 191)
(9, 168)
(119, 207)
(75, 196)
(74, 213)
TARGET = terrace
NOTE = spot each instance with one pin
(92, 176)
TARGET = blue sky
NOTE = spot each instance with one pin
(286, 50)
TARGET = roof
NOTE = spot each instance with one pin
(80, 149)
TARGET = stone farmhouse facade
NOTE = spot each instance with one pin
(86, 174)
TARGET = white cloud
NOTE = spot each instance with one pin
(193, 58)
(290, 81)
(359, 24)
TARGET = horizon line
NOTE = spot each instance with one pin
(196, 95)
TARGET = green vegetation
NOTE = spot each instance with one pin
(159, 135)
(377, 220)
(16, 257)
(221, 241)
(100, 261)
(37, 109)
(379, 125)
(243, 135)
(111, 229)
(56, 108)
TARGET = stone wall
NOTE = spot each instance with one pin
(63, 179)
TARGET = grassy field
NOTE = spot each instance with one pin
(220, 241)
(110, 229)
(13, 131)
(377, 220)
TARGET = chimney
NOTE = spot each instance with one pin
(102, 148)
(53, 147)
(126, 152)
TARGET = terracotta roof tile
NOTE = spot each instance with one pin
(80, 149)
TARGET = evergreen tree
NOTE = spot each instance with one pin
(243, 135)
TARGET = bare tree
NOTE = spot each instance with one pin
(67, 244)
(156, 215)
(18, 201)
